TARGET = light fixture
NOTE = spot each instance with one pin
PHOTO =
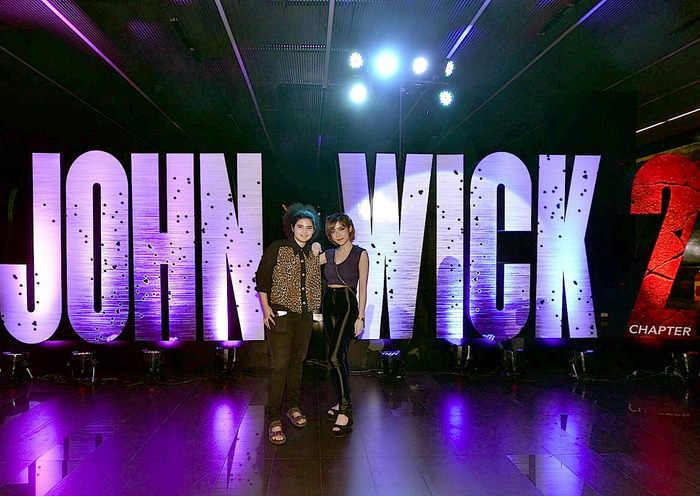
(390, 364)
(513, 362)
(153, 368)
(358, 93)
(19, 364)
(420, 65)
(686, 364)
(449, 68)
(582, 364)
(356, 60)
(224, 362)
(462, 357)
(446, 98)
(387, 64)
(83, 366)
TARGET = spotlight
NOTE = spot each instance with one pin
(513, 362)
(19, 364)
(420, 65)
(358, 93)
(449, 68)
(446, 98)
(390, 364)
(356, 60)
(582, 364)
(82, 366)
(153, 368)
(224, 362)
(686, 364)
(387, 64)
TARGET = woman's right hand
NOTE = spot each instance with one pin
(268, 316)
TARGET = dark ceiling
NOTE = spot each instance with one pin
(272, 76)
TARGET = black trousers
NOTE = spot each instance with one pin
(339, 315)
(287, 346)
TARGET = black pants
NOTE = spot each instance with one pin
(287, 346)
(339, 315)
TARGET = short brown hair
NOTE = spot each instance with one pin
(344, 219)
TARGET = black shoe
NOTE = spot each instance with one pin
(342, 430)
(332, 414)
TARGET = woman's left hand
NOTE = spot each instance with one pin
(359, 327)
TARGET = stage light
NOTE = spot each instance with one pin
(462, 356)
(225, 362)
(390, 364)
(449, 68)
(19, 364)
(83, 366)
(358, 93)
(446, 98)
(153, 368)
(356, 60)
(513, 362)
(420, 65)
(582, 364)
(387, 64)
(686, 364)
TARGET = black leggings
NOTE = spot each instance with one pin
(339, 315)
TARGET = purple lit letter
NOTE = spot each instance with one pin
(107, 276)
(562, 264)
(508, 170)
(34, 322)
(163, 259)
(393, 239)
(231, 238)
(450, 246)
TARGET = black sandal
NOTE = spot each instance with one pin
(296, 420)
(342, 430)
(271, 435)
(332, 414)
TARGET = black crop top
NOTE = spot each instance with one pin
(349, 269)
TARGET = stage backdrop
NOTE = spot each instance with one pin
(155, 248)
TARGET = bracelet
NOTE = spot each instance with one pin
(361, 318)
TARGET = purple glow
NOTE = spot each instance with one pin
(562, 262)
(112, 286)
(494, 170)
(231, 244)
(169, 253)
(450, 246)
(39, 324)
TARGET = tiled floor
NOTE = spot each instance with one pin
(428, 434)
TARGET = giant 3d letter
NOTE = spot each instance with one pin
(508, 170)
(231, 244)
(393, 236)
(562, 264)
(35, 321)
(97, 246)
(450, 246)
(164, 263)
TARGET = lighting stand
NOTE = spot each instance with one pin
(224, 362)
(83, 366)
(582, 364)
(19, 364)
(686, 364)
(153, 368)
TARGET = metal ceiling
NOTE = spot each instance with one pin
(258, 75)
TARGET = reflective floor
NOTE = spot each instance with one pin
(425, 434)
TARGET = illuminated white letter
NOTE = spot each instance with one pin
(97, 270)
(487, 318)
(231, 237)
(39, 324)
(170, 254)
(393, 239)
(450, 246)
(562, 264)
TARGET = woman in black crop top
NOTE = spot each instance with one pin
(346, 269)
